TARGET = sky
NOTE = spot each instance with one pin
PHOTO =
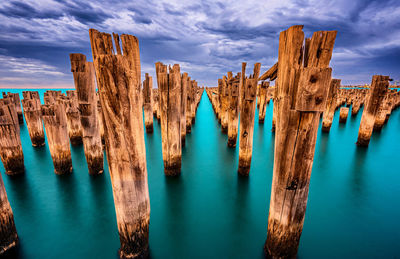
(207, 38)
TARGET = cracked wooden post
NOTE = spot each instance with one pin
(15, 99)
(10, 142)
(169, 84)
(263, 101)
(233, 112)
(194, 103)
(55, 123)
(344, 112)
(84, 78)
(73, 118)
(383, 112)
(224, 103)
(156, 104)
(148, 103)
(300, 98)
(331, 103)
(185, 82)
(118, 80)
(33, 116)
(377, 92)
(8, 232)
(247, 113)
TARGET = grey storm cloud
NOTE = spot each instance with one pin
(207, 38)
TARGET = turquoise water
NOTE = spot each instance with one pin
(209, 211)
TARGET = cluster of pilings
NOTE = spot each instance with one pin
(303, 95)
(177, 98)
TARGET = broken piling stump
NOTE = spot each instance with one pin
(185, 82)
(377, 92)
(55, 123)
(118, 79)
(73, 118)
(299, 105)
(84, 78)
(344, 112)
(233, 111)
(10, 142)
(331, 103)
(148, 103)
(247, 113)
(263, 101)
(33, 116)
(169, 85)
(15, 99)
(8, 232)
(224, 102)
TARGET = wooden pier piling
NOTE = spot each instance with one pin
(377, 92)
(84, 78)
(55, 122)
(233, 111)
(331, 103)
(344, 112)
(73, 118)
(263, 101)
(15, 99)
(8, 232)
(185, 82)
(148, 103)
(302, 85)
(118, 80)
(224, 103)
(10, 142)
(33, 116)
(247, 113)
(169, 85)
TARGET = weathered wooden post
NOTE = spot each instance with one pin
(169, 84)
(148, 103)
(73, 118)
(55, 122)
(189, 106)
(263, 101)
(84, 78)
(233, 111)
(118, 79)
(10, 142)
(247, 113)
(377, 92)
(300, 98)
(330, 107)
(15, 99)
(224, 103)
(33, 116)
(344, 112)
(185, 82)
(8, 232)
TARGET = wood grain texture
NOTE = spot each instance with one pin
(303, 78)
(118, 80)
(148, 103)
(33, 118)
(330, 104)
(85, 85)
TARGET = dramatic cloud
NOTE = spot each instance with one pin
(206, 38)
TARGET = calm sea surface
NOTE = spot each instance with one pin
(209, 211)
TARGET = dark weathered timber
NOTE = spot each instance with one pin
(33, 116)
(55, 122)
(331, 103)
(233, 111)
(84, 78)
(169, 84)
(185, 82)
(10, 142)
(344, 112)
(377, 93)
(247, 113)
(300, 97)
(73, 118)
(118, 80)
(148, 103)
(263, 101)
(8, 232)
